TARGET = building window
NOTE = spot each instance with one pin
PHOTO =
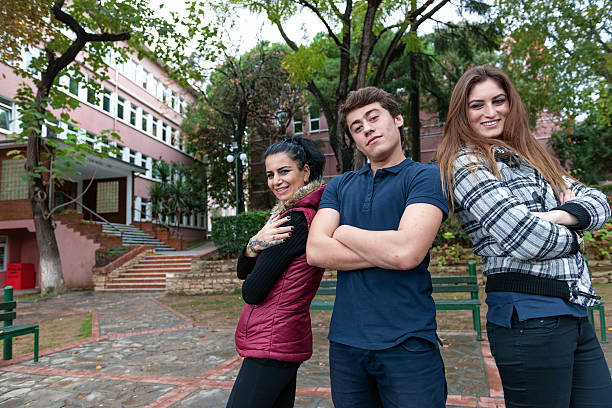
(6, 113)
(314, 124)
(144, 121)
(297, 126)
(3, 252)
(133, 115)
(154, 128)
(91, 96)
(107, 197)
(73, 86)
(120, 105)
(152, 85)
(164, 132)
(143, 211)
(172, 136)
(12, 184)
(106, 100)
(145, 78)
(132, 70)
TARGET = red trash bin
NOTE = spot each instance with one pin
(20, 275)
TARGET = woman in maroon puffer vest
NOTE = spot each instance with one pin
(274, 333)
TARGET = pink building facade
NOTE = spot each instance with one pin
(140, 103)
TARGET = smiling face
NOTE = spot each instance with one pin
(487, 109)
(284, 175)
(376, 132)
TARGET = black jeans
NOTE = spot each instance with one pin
(551, 362)
(264, 383)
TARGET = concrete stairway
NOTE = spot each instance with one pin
(150, 274)
(132, 236)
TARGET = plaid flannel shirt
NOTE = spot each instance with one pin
(497, 217)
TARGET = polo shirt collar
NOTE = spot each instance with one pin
(393, 169)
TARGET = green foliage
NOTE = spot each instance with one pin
(598, 244)
(557, 53)
(251, 92)
(181, 190)
(451, 245)
(451, 233)
(587, 150)
(231, 233)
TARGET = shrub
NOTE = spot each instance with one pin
(586, 147)
(231, 233)
(598, 244)
(451, 233)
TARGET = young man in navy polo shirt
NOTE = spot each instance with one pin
(375, 226)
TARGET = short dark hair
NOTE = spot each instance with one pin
(302, 151)
(365, 96)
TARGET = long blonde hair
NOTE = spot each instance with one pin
(517, 134)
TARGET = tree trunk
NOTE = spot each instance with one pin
(51, 278)
(415, 121)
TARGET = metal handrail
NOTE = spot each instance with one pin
(104, 220)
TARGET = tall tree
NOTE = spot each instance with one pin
(559, 54)
(75, 38)
(250, 91)
(355, 29)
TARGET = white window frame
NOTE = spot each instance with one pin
(120, 101)
(9, 107)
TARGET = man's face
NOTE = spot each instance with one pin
(375, 131)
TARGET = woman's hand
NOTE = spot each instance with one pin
(273, 233)
(560, 217)
(566, 196)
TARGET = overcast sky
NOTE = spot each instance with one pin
(301, 28)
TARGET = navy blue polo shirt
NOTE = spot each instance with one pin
(378, 308)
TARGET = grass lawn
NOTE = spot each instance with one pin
(54, 330)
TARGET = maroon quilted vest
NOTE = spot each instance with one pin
(279, 327)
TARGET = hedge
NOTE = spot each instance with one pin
(231, 233)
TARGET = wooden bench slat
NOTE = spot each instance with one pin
(437, 280)
(17, 330)
(8, 316)
(8, 305)
(455, 288)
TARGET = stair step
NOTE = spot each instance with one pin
(129, 275)
(136, 286)
(154, 281)
(132, 290)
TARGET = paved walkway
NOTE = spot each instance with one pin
(143, 354)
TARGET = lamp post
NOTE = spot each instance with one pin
(234, 155)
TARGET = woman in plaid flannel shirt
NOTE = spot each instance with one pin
(525, 216)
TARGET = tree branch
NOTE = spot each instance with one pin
(317, 12)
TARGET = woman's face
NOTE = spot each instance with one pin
(284, 175)
(487, 109)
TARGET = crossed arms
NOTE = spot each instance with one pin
(344, 247)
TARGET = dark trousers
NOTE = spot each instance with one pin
(264, 383)
(551, 362)
(410, 374)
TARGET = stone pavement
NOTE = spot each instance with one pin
(143, 354)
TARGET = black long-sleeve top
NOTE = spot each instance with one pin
(261, 273)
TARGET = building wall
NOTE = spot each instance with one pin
(142, 143)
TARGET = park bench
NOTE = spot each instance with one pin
(10, 330)
(602, 319)
(440, 284)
